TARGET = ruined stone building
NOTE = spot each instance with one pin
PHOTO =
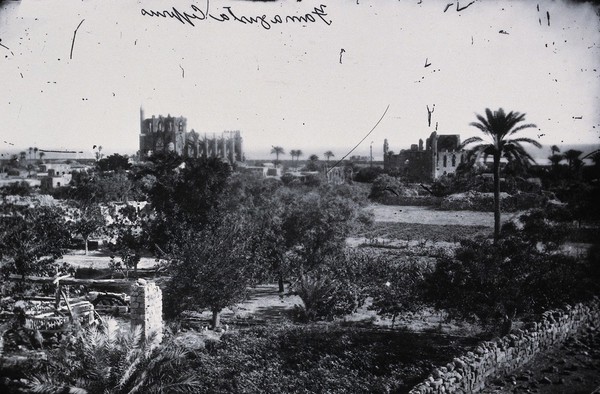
(169, 134)
(440, 156)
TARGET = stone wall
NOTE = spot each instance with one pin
(469, 373)
(146, 308)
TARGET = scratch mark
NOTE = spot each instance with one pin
(458, 9)
(21, 75)
(364, 138)
(73, 41)
(182, 71)
(427, 64)
(2, 45)
(503, 32)
(577, 117)
(341, 52)
(448, 6)
(548, 16)
(471, 40)
(429, 112)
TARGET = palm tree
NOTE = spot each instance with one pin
(298, 154)
(554, 149)
(277, 150)
(328, 155)
(293, 154)
(498, 126)
(555, 160)
(107, 359)
(42, 154)
(22, 156)
(573, 159)
(30, 152)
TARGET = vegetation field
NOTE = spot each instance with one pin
(321, 358)
(420, 231)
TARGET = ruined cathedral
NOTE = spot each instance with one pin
(169, 134)
(440, 156)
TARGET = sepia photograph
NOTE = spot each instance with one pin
(296, 196)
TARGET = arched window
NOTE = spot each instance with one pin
(445, 160)
(180, 125)
(159, 126)
(453, 160)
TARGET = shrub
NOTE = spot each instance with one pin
(323, 298)
(524, 272)
(16, 189)
(106, 359)
(368, 174)
(385, 185)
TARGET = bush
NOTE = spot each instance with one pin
(16, 189)
(320, 358)
(368, 174)
(107, 360)
(385, 185)
(323, 299)
(523, 273)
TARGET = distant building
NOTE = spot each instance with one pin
(169, 134)
(440, 156)
(266, 170)
(55, 179)
(58, 174)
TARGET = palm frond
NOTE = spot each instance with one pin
(519, 128)
(528, 140)
(469, 141)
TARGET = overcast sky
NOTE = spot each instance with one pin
(292, 85)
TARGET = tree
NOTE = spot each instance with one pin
(554, 149)
(298, 154)
(42, 154)
(572, 157)
(499, 127)
(293, 153)
(329, 154)
(35, 151)
(22, 156)
(212, 269)
(555, 159)
(315, 225)
(182, 193)
(129, 237)
(277, 150)
(87, 220)
(16, 189)
(114, 162)
(313, 163)
(395, 286)
(102, 187)
(99, 155)
(524, 272)
(31, 239)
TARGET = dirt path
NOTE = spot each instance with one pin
(428, 215)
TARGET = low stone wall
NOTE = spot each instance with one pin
(469, 373)
(146, 309)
